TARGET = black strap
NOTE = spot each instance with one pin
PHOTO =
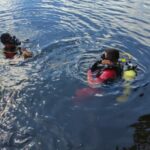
(99, 68)
(96, 66)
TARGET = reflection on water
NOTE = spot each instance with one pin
(13, 80)
(141, 136)
(38, 106)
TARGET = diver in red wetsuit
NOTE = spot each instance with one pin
(12, 48)
(107, 69)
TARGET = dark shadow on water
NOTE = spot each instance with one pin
(141, 135)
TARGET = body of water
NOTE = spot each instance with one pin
(46, 103)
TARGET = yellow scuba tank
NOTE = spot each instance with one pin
(129, 72)
(129, 75)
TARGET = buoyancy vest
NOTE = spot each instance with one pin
(103, 73)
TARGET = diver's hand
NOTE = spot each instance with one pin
(26, 54)
(95, 66)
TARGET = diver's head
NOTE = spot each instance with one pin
(111, 54)
(6, 39)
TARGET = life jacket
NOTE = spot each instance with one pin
(104, 73)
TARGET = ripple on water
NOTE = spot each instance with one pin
(71, 36)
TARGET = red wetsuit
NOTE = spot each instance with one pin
(106, 75)
(9, 55)
(10, 51)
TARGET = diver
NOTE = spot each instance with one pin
(12, 47)
(112, 65)
(110, 68)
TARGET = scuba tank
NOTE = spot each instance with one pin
(129, 70)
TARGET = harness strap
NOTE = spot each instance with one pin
(99, 68)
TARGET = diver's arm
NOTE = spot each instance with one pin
(95, 66)
(104, 77)
(26, 53)
(91, 80)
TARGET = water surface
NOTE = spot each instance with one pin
(46, 102)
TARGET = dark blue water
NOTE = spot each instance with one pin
(46, 103)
